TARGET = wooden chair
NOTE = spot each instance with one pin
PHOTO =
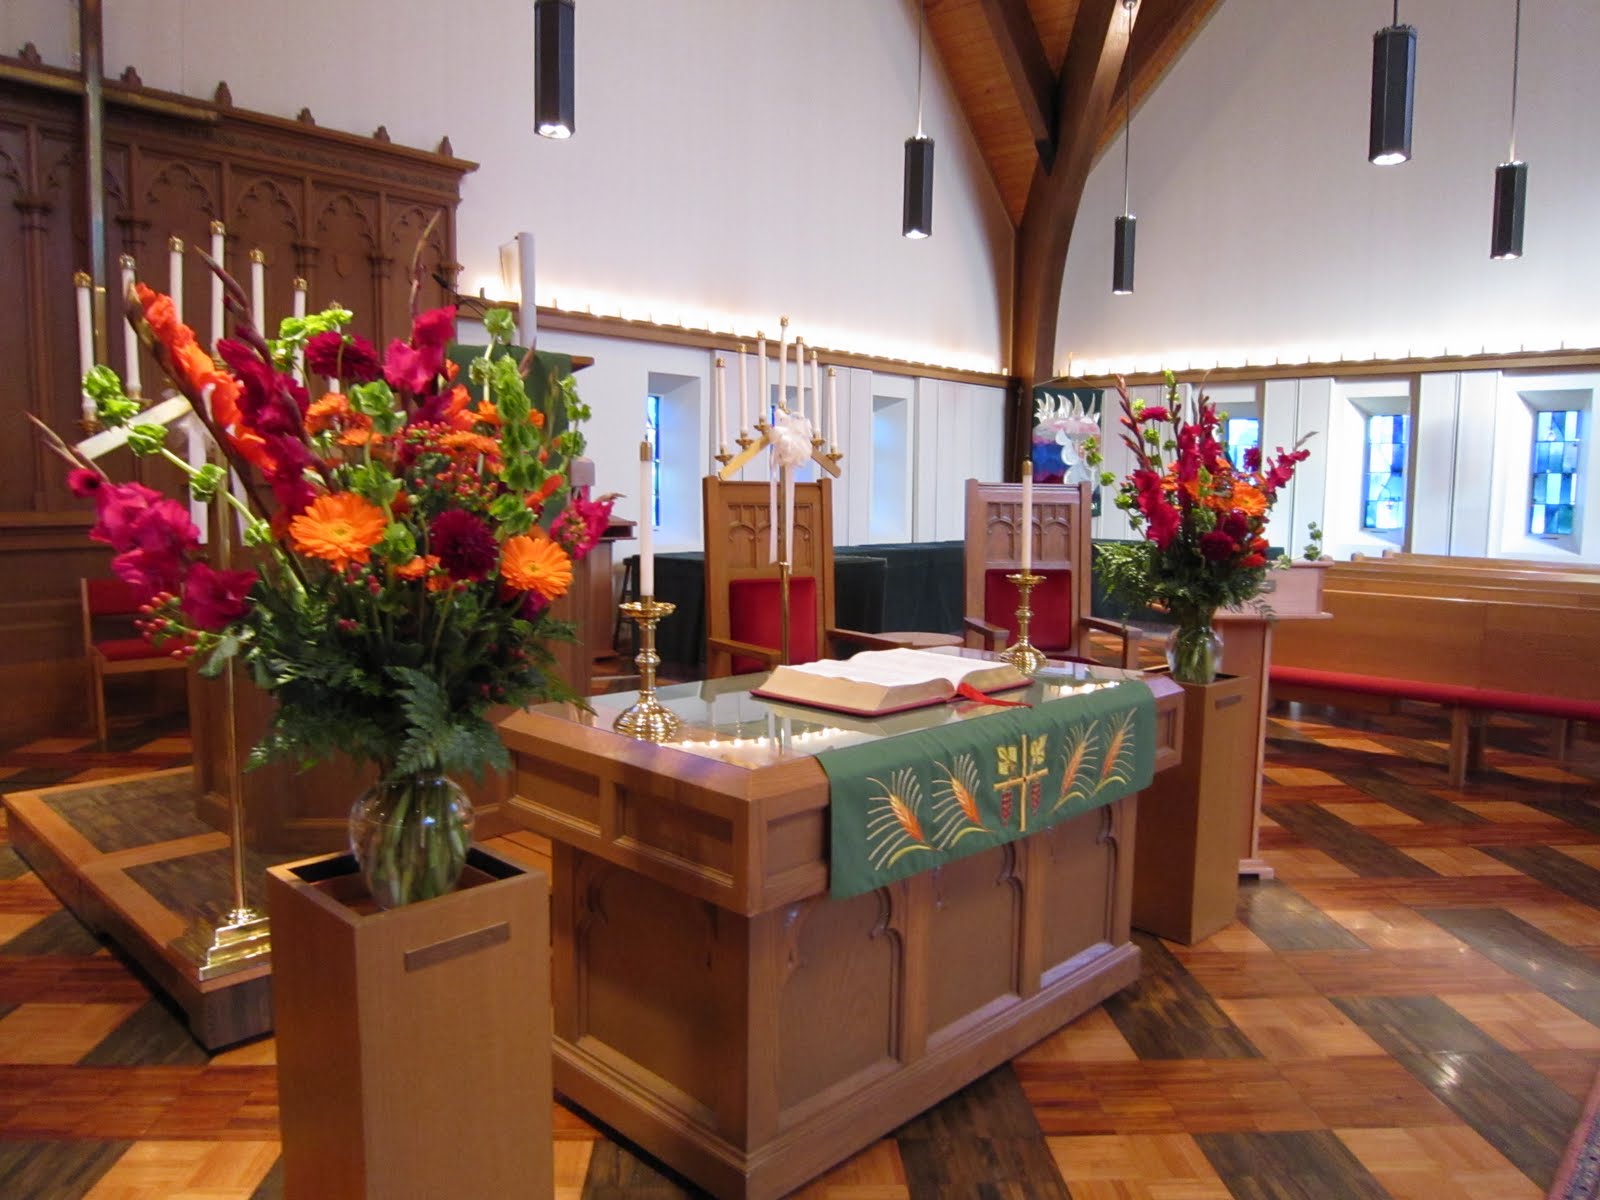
(743, 607)
(105, 602)
(1061, 620)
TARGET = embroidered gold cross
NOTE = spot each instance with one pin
(1019, 766)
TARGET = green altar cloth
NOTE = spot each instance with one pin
(905, 804)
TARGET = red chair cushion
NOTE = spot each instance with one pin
(110, 598)
(755, 613)
(128, 649)
(1437, 693)
(1050, 628)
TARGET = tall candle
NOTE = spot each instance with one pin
(800, 377)
(647, 557)
(217, 244)
(300, 311)
(130, 339)
(258, 289)
(833, 410)
(744, 409)
(816, 397)
(763, 396)
(1027, 516)
(719, 397)
(783, 364)
(82, 282)
(175, 274)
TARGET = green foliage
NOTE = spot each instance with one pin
(1313, 550)
(502, 326)
(111, 404)
(205, 480)
(145, 440)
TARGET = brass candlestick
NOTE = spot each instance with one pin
(722, 455)
(242, 933)
(647, 718)
(1024, 656)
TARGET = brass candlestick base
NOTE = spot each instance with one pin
(647, 718)
(722, 455)
(235, 940)
(834, 455)
(745, 441)
(1024, 656)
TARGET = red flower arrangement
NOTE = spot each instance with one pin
(1202, 521)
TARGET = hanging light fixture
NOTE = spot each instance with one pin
(552, 68)
(1394, 71)
(1127, 223)
(1511, 176)
(917, 221)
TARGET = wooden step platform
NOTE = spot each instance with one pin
(131, 861)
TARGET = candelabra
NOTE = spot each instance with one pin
(1023, 655)
(647, 718)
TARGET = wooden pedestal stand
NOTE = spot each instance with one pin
(413, 1044)
(1247, 652)
(1186, 858)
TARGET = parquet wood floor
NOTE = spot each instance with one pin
(1410, 1010)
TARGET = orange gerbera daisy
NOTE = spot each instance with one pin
(1248, 500)
(470, 443)
(418, 567)
(536, 565)
(325, 411)
(341, 528)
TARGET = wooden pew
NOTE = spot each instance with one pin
(1461, 560)
(1557, 589)
(1500, 649)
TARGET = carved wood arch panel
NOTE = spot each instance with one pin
(172, 165)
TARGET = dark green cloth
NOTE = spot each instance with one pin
(904, 804)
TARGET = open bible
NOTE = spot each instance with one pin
(886, 681)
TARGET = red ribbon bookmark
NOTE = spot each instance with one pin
(967, 692)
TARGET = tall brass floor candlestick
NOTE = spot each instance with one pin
(1024, 656)
(240, 934)
(647, 718)
(785, 571)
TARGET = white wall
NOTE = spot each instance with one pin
(733, 161)
(1264, 233)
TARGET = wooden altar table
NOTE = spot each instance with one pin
(716, 1006)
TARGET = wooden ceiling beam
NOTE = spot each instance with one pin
(1021, 50)
(1084, 94)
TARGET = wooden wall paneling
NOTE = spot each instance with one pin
(346, 233)
(266, 212)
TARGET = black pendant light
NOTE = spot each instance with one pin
(1511, 176)
(1394, 75)
(1127, 223)
(917, 220)
(552, 70)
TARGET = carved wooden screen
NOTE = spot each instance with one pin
(342, 212)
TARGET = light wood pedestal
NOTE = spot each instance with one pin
(413, 1044)
(1186, 872)
(1247, 652)
(716, 1006)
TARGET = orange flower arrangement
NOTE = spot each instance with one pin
(536, 565)
(339, 529)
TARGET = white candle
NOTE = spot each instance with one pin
(744, 404)
(1027, 516)
(800, 377)
(763, 396)
(82, 282)
(130, 339)
(783, 364)
(816, 397)
(258, 289)
(175, 274)
(647, 557)
(788, 516)
(833, 410)
(217, 243)
(719, 394)
(772, 500)
(300, 311)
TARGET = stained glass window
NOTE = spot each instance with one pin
(652, 434)
(1383, 507)
(1552, 497)
(1241, 434)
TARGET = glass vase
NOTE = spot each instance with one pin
(410, 835)
(1194, 650)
